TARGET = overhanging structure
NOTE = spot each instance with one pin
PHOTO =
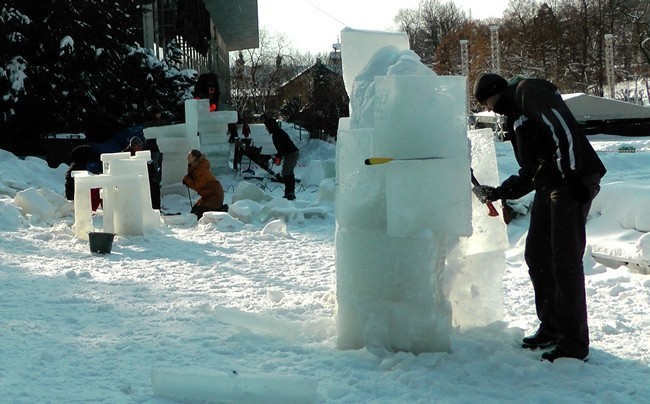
(205, 30)
(608, 116)
(236, 21)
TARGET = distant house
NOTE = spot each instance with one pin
(320, 93)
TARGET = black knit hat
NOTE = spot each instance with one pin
(135, 141)
(487, 85)
(270, 122)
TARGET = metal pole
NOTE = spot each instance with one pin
(496, 50)
(609, 64)
(464, 65)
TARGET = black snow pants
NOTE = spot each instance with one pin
(554, 249)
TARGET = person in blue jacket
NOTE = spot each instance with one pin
(557, 162)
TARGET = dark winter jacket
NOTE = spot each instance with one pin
(200, 178)
(282, 142)
(82, 157)
(547, 142)
(246, 130)
(154, 170)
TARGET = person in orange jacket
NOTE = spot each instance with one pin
(200, 178)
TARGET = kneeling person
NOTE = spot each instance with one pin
(200, 178)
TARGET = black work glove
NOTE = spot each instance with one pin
(577, 189)
(514, 187)
(485, 193)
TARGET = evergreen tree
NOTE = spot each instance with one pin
(84, 71)
(13, 26)
(290, 108)
(327, 100)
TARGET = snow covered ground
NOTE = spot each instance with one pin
(252, 302)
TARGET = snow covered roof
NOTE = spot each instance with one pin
(587, 107)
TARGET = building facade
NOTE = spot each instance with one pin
(205, 30)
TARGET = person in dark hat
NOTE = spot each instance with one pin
(135, 145)
(287, 155)
(207, 86)
(488, 85)
(83, 159)
(557, 162)
(155, 117)
(153, 170)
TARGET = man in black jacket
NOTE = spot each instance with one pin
(558, 162)
(287, 151)
(154, 166)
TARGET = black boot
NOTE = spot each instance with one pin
(290, 187)
(542, 338)
(558, 352)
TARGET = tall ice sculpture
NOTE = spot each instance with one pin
(395, 222)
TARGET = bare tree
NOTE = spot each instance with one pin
(408, 21)
(257, 73)
(429, 24)
(640, 18)
(561, 40)
(448, 52)
(515, 29)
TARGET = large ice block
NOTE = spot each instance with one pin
(211, 128)
(360, 197)
(118, 205)
(137, 165)
(421, 116)
(476, 265)
(203, 385)
(174, 142)
(428, 195)
(358, 47)
(390, 292)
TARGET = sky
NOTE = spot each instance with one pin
(314, 25)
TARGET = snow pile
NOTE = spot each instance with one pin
(195, 300)
(17, 175)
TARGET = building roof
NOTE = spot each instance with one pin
(306, 70)
(587, 107)
(236, 21)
